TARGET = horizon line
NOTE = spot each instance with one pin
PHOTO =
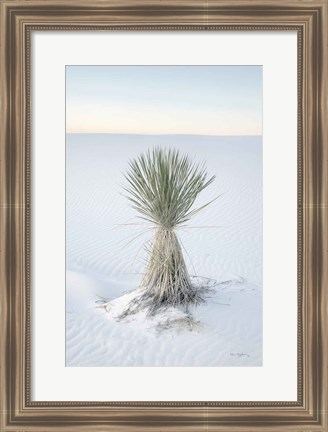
(161, 134)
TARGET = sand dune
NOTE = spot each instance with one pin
(105, 256)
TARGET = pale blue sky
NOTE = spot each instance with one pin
(198, 100)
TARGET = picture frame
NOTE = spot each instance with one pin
(18, 20)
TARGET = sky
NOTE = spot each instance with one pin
(193, 100)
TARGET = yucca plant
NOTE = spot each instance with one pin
(162, 186)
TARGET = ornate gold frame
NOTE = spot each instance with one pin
(18, 19)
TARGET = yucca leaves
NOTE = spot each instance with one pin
(163, 186)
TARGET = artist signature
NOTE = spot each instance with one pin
(239, 354)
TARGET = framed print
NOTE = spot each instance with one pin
(164, 215)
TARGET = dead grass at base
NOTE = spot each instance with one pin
(148, 302)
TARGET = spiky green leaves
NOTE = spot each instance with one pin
(163, 186)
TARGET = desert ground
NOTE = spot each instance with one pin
(105, 257)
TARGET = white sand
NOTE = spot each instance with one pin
(105, 257)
